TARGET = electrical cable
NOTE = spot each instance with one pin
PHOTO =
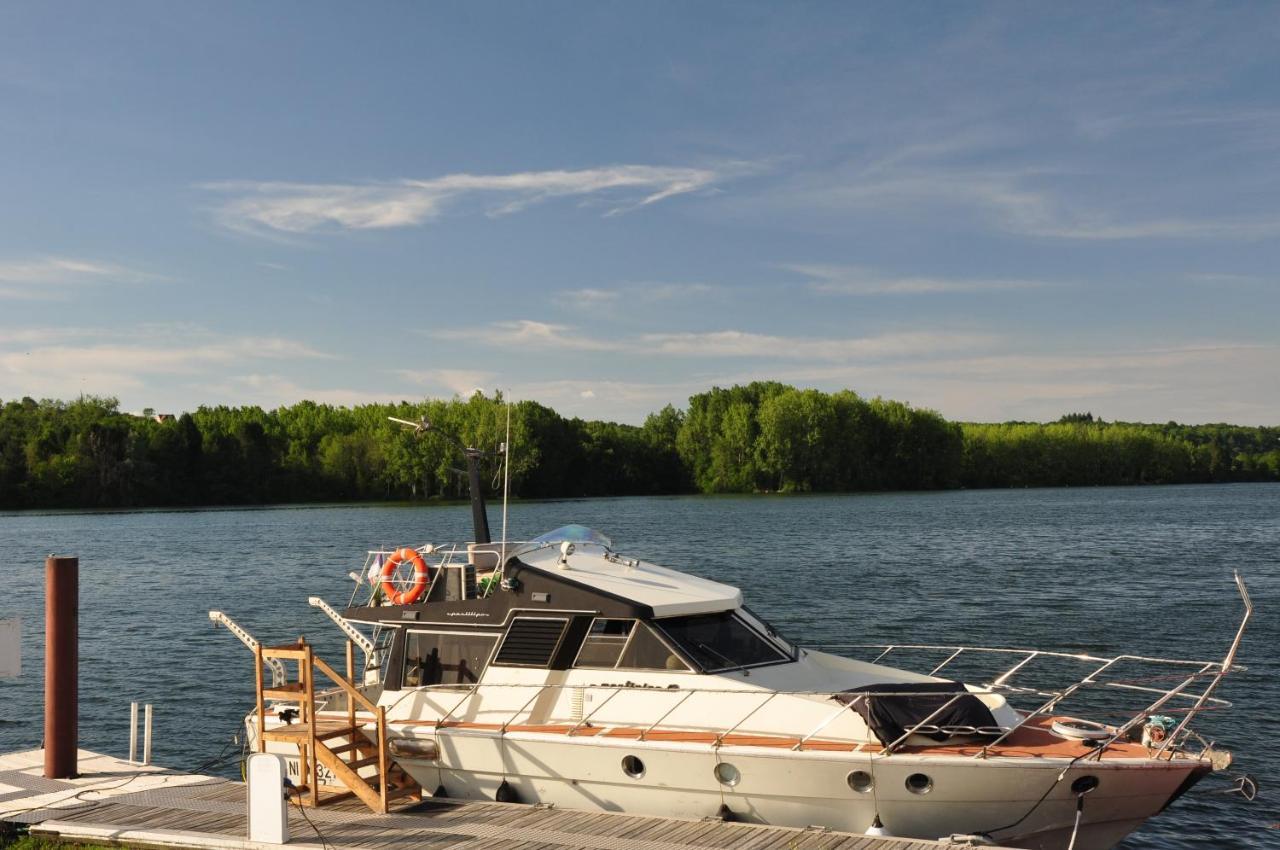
(222, 758)
(324, 842)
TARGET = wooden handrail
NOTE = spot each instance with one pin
(351, 690)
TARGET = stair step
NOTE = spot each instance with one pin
(338, 733)
(364, 762)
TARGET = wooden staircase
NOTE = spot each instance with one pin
(352, 748)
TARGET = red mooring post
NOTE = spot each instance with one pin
(61, 666)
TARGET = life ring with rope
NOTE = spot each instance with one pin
(411, 594)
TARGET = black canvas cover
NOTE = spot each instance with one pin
(913, 702)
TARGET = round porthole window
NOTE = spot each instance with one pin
(727, 774)
(632, 766)
(860, 781)
(919, 783)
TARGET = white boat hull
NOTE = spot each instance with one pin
(1019, 801)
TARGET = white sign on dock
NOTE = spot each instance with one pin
(11, 648)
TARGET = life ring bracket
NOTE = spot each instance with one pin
(421, 577)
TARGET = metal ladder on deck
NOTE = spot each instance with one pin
(352, 747)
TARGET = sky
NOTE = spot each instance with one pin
(1004, 211)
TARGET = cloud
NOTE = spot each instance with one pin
(1010, 201)
(1193, 382)
(271, 390)
(306, 207)
(528, 335)
(463, 382)
(586, 298)
(987, 175)
(629, 294)
(43, 363)
(853, 280)
(44, 277)
(765, 346)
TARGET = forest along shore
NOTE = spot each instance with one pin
(761, 437)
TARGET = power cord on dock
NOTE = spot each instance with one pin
(291, 790)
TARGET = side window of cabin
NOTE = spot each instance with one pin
(646, 651)
(626, 645)
(604, 643)
(445, 658)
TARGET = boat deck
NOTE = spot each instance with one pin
(1033, 740)
(116, 802)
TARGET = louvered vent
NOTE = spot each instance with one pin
(531, 642)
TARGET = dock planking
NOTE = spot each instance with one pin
(116, 802)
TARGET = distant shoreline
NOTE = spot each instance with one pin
(495, 499)
(764, 438)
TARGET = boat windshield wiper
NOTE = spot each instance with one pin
(731, 664)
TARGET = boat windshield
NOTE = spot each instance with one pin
(570, 533)
(720, 642)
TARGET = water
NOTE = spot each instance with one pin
(1143, 570)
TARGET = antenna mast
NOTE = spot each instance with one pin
(479, 517)
(506, 491)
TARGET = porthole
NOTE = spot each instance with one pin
(1084, 784)
(919, 783)
(727, 774)
(632, 766)
(860, 781)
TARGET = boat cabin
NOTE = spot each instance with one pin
(565, 601)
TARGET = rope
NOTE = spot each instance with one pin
(1079, 816)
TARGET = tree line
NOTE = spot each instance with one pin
(761, 437)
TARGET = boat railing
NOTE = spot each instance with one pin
(438, 558)
(1211, 672)
(452, 703)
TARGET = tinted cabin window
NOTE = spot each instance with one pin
(530, 642)
(646, 651)
(604, 643)
(720, 641)
(445, 658)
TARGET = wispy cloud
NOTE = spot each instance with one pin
(528, 334)
(739, 344)
(1014, 203)
(45, 362)
(1192, 382)
(594, 299)
(854, 280)
(730, 344)
(272, 390)
(306, 207)
(463, 382)
(47, 277)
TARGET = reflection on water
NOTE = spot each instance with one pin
(1144, 570)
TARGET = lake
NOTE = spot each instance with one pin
(1108, 570)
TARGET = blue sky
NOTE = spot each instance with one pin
(1003, 211)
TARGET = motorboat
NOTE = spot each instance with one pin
(564, 671)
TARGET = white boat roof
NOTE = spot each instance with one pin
(668, 592)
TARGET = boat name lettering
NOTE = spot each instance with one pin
(630, 684)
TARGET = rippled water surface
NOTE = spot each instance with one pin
(1143, 570)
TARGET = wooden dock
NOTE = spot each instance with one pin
(116, 802)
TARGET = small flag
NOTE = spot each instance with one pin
(375, 571)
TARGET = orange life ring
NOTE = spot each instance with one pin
(409, 595)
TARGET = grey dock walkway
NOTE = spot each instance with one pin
(117, 802)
